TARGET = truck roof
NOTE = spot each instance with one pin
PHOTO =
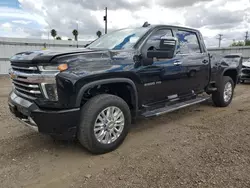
(175, 26)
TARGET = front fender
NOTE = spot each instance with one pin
(108, 81)
(228, 71)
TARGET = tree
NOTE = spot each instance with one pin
(75, 33)
(53, 33)
(99, 34)
(247, 43)
(58, 38)
(238, 43)
(69, 39)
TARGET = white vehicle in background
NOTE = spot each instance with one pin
(245, 71)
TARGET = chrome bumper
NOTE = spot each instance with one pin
(29, 123)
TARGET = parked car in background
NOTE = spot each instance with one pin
(245, 71)
(233, 60)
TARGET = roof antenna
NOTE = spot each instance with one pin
(146, 24)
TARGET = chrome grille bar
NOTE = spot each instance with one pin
(32, 78)
(25, 95)
(25, 85)
(24, 68)
(28, 91)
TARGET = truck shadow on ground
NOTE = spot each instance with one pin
(141, 124)
(146, 123)
(33, 142)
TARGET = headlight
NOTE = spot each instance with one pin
(48, 68)
(50, 91)
(53, 68)
(49, 88)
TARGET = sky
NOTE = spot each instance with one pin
(35, 18)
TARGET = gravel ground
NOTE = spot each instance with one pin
(200, 146)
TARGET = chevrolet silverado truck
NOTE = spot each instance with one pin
(92, 94)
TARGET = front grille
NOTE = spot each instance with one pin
(23, 67)
(30, 89)
(245, 71)
(21, 75)
(245, 77)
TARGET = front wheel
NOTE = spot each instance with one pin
(105, 121)
(224, 94)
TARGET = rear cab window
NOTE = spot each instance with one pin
(188, 42)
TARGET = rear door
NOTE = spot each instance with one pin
(193, 59)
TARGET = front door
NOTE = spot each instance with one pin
(159, 77)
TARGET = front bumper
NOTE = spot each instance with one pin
(58, 123)
(245, 77)
(245, 74)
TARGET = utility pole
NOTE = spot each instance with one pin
(220, 38)
(105, 18)
(77, 33)
(246, 37)
(49, 32)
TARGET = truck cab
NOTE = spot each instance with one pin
(94, 93)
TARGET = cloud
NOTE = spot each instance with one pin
(112, 5)
(10, 30)
(179, 3)
(6, 12)
(19, 23)
(63, 16)
(23, 22)
(213, 18)
(37, 18)
(6, 25)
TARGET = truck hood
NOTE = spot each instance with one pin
(81, 60)
(246, 64)
(45, 56)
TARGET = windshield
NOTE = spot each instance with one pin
(120, 39)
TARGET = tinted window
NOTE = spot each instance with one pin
(154, 39)
(187, 42)
(160, 33)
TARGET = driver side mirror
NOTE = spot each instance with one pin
(166, 49)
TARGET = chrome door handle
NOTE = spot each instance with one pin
(177, 63)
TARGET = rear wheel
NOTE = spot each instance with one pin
(105, 121)
(224, 94)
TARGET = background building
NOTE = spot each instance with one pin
(11, 46)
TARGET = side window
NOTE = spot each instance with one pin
(159, 34)
(154, 39)
(187, 42)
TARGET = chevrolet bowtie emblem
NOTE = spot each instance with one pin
(12, 75)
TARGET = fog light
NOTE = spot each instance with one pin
(50, 91)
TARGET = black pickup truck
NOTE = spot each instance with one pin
(94, 93)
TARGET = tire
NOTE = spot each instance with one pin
(242, 81)
(218, 96)
(89, 113)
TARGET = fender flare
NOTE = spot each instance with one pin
(229, 69)
(108, 81)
